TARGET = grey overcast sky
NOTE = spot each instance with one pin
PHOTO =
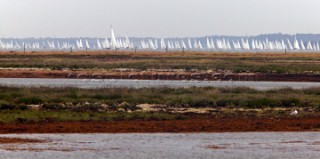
(156, 18)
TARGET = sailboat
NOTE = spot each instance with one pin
(309, 46)
(99, 44)
(289, 43)
(162, 44)
(87, 44)
(114, 43)
(212, 44)
(296, 44)
(189, 43)
(183, 44)
(208, 44)
(199, 45)
(302, 45)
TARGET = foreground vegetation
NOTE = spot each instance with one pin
(201, 61)
(23, 116)
(111, 99)
(22, 105)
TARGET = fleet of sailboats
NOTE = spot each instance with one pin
(205, 44)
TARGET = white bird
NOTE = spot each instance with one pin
(295, 112)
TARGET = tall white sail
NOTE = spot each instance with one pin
(224, 44)
(80, 43)
(87, 44)
(113, 44)
(177, 45)
(212, 44)
(120, 44)
(289, 44)
(284, 46)
(127, 43)
(296, 44)
(189, 43)
(302, 45)
(106, 44)
(228, 45)
(156, 46)
(98, 44)
(195, 44)
(199, 45)
(183, 44)
(314, 46)
(219, 44)
(243, 44)
(208, 44)
(253, 45)
(162, 44)
(151, 44)
(309, 46)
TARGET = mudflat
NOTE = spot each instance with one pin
(194, 124)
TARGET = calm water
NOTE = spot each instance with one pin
(145, 146)
(96, 83)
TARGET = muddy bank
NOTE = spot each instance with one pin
(195, 124)
(159, 75)
(4, 140)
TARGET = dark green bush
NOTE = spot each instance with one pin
(291, 102)
(201, 102)
(227, 102)
(7, 106)
(259, 103)
(30, 100)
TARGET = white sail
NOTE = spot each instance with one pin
(127, 43)
(177, 45)
(59, 47)
(284, 46)
(183, 44)
(253, 45)
(162, 44)
(302, 45)
(195, 44)
(80, 43)
(87, 44)
(151, 44)
(119, 43)
(296, 44)
(142, 44)
(309, 46)
(212, 44)
(99, 44)
(208, 44)
(290, 45)
(224, 44)
(189, 43)
(314, 46)
(156, 46)
(243, 44)
(219, 44)
(228, 45)
(113, 44)
(199, 45)
(172, 45)
(106, 44)
(169, 45)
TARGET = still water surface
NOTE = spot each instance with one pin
(284, 145)
(112, 83)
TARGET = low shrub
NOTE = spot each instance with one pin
(30, 100)
(201, 102)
